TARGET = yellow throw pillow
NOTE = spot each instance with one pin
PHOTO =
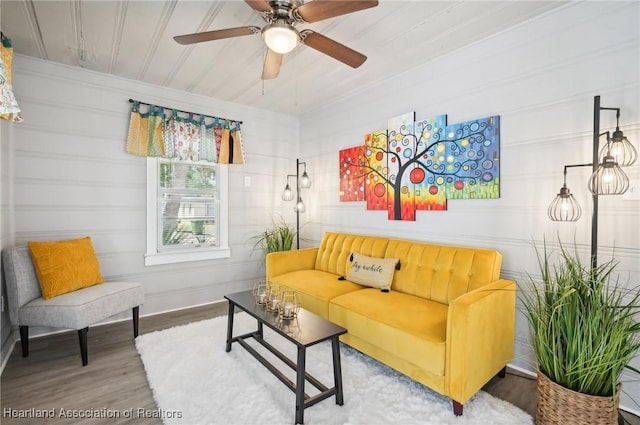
(65, 266)
(373, 272)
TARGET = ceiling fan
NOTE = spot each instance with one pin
(281, 36)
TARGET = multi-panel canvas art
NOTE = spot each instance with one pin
(420, 165)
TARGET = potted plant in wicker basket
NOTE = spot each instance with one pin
(584, 334)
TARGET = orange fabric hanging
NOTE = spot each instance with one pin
(138, 138)
(231, 150)
(8, 103)
(183, 138)
(155, 146)
(238, 149)
(223, 154)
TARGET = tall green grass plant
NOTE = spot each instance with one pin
(278, 237)
(585, 329)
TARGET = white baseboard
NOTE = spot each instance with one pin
(523, 370)
(6, 354)
(182, 308)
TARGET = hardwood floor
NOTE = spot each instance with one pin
(52, 377)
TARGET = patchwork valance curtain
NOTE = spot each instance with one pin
(9, 109)
(183, 135)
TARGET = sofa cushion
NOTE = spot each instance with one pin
(315, 288)
(79, 309)
(399, 323)
(65, 266)
(371, 271)
(439, 272)
(336, 248)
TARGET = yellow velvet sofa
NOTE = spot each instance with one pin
(448, 321)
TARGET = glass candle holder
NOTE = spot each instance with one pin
(274, 295)
(261, 292)
(289, 305)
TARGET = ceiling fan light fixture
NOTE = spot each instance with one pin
(280, 37)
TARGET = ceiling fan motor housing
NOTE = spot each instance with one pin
(283, 10)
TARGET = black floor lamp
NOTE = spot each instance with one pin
(302, 182)
(607, 177)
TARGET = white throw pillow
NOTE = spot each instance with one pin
(373, 272)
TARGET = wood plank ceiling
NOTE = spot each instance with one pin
(133, 39)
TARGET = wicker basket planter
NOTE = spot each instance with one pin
(559, 405)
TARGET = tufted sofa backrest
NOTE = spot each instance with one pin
(439, 272)
(336, 248)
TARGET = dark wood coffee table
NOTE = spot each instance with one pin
(312, 330)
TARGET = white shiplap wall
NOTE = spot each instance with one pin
(73, 178)
(6, 230)
(540, 77)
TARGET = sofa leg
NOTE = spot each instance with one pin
(82, 336)
(503, 372)
(457, 408)
(24, 340)
(136, 316)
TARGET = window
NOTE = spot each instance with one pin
(186, 211)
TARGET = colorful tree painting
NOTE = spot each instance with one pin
(419, 165)
(351, 185)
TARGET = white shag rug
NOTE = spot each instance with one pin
(195, 382)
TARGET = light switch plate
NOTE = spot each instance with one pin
(247, 181)
(633, 193)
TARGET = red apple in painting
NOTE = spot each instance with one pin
(416, 176)
(379, 190)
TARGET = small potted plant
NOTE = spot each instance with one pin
(278, 237)
(584, 334)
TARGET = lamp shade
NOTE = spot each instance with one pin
(621, 149)
(564, 207)
(280, 37)
(287, 194)
(305, 181)
(299, 206)
(608, 179)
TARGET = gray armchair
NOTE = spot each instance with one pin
(74, 310)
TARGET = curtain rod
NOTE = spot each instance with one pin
(184, 112)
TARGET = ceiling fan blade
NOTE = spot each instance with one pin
(272, 64)
(332, 48)
(318, 10)
(199, 37)
(259, 5)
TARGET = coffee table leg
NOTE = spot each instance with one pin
(300, 372)
(337, 370)
(230, 326)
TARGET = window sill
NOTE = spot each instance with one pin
(157, 258)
